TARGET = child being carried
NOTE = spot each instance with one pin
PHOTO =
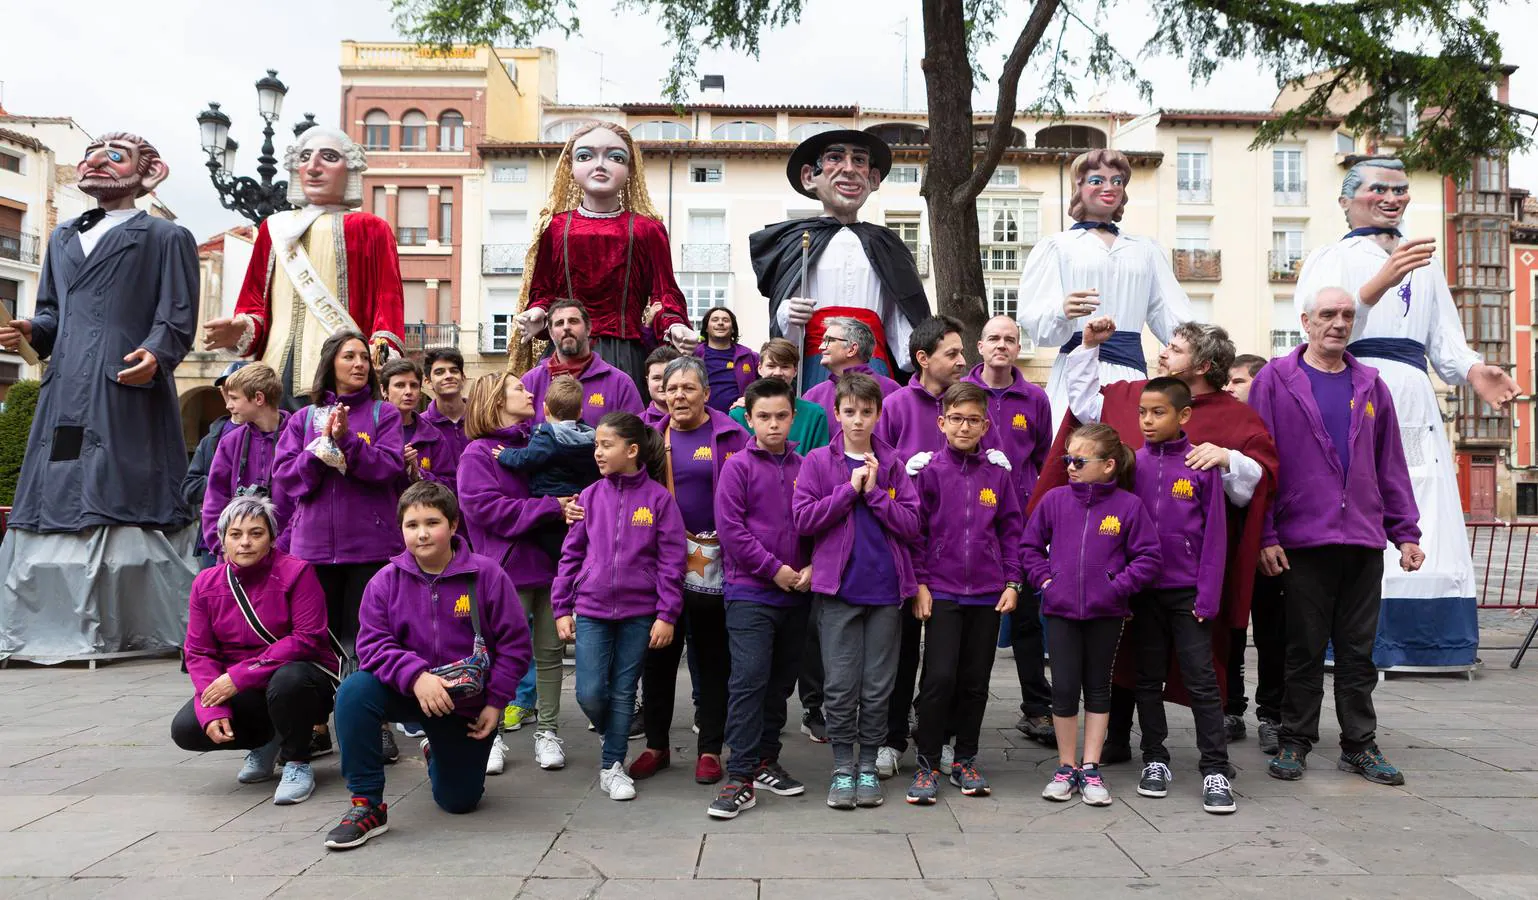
(559, 456)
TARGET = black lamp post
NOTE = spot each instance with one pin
(255, 200)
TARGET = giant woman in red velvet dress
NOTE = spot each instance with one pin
(315, 270)
(600, 240)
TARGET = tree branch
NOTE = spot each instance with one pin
(1004, 114)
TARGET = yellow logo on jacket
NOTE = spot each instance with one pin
(702, 454)
(747, 368)
(595, 399)
(424, 463)
(1182, 489)
(1369, 408)
(1110, 525)
(462, 606)
(363, 436)
(1019, 422)
(642, 517)
(987, 497)
(892, 492)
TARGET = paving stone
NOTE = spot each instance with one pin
(1343, 887)
(20, 809)
(1234, 853)
(713, 889)
(193, 812)
(1093, 888)
(808, 855)
(194, 888)
(1009, 856)
(176, 853)
(881, 889)
(414, 848)
(1476, 852)
(366, 887)
(1499, 887)
(36, 853)
(621, 855)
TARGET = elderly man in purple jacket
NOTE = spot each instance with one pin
(605, 389)
(847, 345)
(1343, 494)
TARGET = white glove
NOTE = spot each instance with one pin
(683, 338)
(530, 322)
(918, 461)
(998, 458)
(799, 311)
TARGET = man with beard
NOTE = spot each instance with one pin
(97, 557)
(835, 266)
(605, 389)
(316, 270)
(1224, 433)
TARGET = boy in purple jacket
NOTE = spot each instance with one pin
(246, 456)
(968, 570)
(860, 509)
(435, 605)
(1188, 509)
(767, 574)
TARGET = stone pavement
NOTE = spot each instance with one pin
(95, 801)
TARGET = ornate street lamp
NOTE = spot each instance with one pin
(255, 200)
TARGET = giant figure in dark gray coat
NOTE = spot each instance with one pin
(95, 561)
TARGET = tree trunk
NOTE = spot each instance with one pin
(953, 232)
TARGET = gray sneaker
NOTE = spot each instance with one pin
(1269, 734)
(297, 785)
(867, 790)
(260, 763)
(841, 793)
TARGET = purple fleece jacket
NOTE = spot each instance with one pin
(605, 389)
(971, 523)
(437, 453)
(228, 473)
(1191, 516)
(1104, 549)
(287, 599)
(754, 521)
(826, 394)
(910, 421)
(625, 557)
(1020, 424)
(500, 513)
(343, 518)
(1317, 504)
(411, 621)
(823, 507)
(454, 432)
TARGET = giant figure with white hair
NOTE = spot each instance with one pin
(318, 269)
(1405, 317)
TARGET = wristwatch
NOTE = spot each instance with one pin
(1015, 586)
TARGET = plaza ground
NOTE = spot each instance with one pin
(96, 802)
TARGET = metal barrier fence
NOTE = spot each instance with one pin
(1502, 555)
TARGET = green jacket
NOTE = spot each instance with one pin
(808, 431)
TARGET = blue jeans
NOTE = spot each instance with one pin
(610, 654)
(527, 697)
(767, 644)
(456, 767)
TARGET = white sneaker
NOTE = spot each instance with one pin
(497, 761)
(547, 750)
(888, 762)
(947, 758)
(617, 783)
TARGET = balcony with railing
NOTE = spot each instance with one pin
(1289, 193)
(421, 336)
(19, 245)
(1193, 190)
(1198, 265)
(705, 258)
(503, 259)
(1285, 265)
(1282, 342)
(411, 237)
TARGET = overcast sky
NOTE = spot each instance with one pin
(70, 59)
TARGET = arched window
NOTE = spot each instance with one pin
(900, 133)
(743, 131)
(565, 128)
(414, 130)
(1071, 137)
(451, 131)
(980, 136)
(802, 132)
(376, 130)
(661, 131)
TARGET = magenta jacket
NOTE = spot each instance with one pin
(826, 394)
(1104, 549)
(605, 389)
(286, 597)
(744, 364)
(823, 503)
(1317, 504)
(754, 520)
(344, 518)
(1191, 516)
(500, 516)
(1020, 424)
(245, 456)
(970, 525)
(411, 621)
(625, 557)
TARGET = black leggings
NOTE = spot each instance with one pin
(343, 585)
(296, 698)
(1083, 653)
(703, 625)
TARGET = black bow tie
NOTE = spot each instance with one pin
(1369, 231)
(1090, 226)
(89, 218)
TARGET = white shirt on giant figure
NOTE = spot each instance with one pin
(114, 218)
(842, 276)
(1136, 284)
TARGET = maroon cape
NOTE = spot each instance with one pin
(1216, 418)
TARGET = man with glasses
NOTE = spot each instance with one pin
(846, 346)
(818, 269)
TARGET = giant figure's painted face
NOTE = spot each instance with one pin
(843, 179)
(1380, 200)
(1103, 192)
(115, 167)
(600, 164)
(322, 171)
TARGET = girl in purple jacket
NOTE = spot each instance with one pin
(1104, 548)
(616, 591)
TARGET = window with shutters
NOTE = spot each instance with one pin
(411, 217)
(376, 130)
(414, 130)
(451, 131)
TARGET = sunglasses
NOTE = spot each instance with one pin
(1079, 462)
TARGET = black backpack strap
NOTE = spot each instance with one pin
(249, 612)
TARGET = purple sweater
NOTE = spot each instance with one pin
(438, 452)
(1317, 504)
(500, 514)
(454, 432)
(757, 531)
(1191, 516)
(605, 389)
(1020, 424)
(910, 421)
(1104, 549)
(826, 394)
(744, 364)
(971, 525)
(625, 557)
(245, 456)
(411, 621)
(823, 507)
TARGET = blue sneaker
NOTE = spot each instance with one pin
(925, 789)
(867, 790)
(1370, 764)
(841, 794)
(1288, 764)
(260, 764)
(297, 785)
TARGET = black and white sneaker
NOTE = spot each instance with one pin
(1155, 781)
(1217, 796)
(1269, 733)
(772, 777)
(392, 753)
(735, 796)
(320, 744)
(362, 822)
(814, 726)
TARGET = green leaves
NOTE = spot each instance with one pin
(15, 426)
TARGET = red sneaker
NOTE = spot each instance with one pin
(708, 769)
(649, 763)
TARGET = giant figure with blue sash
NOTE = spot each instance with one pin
(1097, 269)
(1406, 326)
